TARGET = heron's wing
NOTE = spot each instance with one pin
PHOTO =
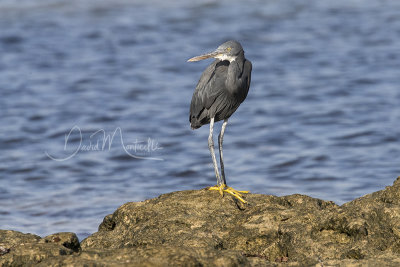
(246, 79)
(210, 85)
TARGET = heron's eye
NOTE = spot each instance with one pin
(228, 49)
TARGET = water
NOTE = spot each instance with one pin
(321, 118)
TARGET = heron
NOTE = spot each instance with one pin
(222, 87)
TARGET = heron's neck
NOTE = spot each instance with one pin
(225, 57)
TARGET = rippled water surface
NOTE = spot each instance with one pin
(321, 118)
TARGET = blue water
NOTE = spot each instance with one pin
(321, 118)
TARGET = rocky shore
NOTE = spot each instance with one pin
(199, 228)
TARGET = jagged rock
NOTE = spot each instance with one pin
(199, 228)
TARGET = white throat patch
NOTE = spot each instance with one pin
(225, 57)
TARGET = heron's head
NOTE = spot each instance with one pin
(227, 51)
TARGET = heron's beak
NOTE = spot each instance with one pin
(201, 57)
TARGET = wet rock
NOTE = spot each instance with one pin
(199, 228)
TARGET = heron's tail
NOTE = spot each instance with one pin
(194, 124)
(199, 120)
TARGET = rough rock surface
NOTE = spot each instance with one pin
(18, 249)
(199, 228)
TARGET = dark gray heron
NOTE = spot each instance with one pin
(222, 87)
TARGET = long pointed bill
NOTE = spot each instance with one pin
(198, 58)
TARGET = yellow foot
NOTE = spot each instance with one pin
(224, 188)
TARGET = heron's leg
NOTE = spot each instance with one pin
(211, 147)
(221, 157)
(223, 187)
